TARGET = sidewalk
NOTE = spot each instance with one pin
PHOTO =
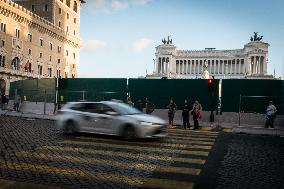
(228, 127)
(26, 115)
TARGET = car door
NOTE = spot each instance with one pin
(109, 118)
(92, 118)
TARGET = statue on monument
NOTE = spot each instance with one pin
(205, 74)
(256, 37)
(168, 42)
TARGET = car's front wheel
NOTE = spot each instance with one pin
(70, 127)
(129, 133)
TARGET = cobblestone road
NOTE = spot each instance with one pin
(33, 151)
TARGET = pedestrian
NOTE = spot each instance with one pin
(196, 112)
(129, 102)
(185, 114)
(140, 105)
(171, 111)
(270, 115)
(149, 106)
(17, 103)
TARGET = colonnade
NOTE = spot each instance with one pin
(257, 65)
(196, 67)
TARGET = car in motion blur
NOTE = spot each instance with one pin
(110, 118)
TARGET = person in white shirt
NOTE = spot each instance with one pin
(270, 115)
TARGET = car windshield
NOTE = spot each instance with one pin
(125, 109)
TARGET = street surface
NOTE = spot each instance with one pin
(34, 154)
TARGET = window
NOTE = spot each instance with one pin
(2, 60)
(45, 8)
(40, 55)
(30, 51)
(60, 11)
(75, 20)
(46, 18)
(49, 70)
(18, 33)
(50, 46)
(73, 66)
(3, 27)
(67, 16)
(67, 29)
(58, 74)
(75, 6)
(67, 53)
(39, 68)
(58, 61)
(16, 63)
(74, 55)
(74, 32)
(33, 8)
(59, 24)
(50, 58)
(30, 37)
(68, 3)
(41, 42)
(59, 49)
(2, 44)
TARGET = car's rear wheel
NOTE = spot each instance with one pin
(70, 127)
(129, 133)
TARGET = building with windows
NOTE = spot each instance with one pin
(39, 39)
(248, 62)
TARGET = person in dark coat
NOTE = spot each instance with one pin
(149, 106)
(171, 112)
(185, 114)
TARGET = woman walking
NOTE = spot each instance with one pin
(196, 112)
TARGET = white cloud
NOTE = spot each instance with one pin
(109, 6)
(141, 44)
(119, 5)
(93, 45)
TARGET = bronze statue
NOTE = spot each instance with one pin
(168, 42)
(256, 37)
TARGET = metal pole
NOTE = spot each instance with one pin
(83, 95)
(44, 105)
(240, 110)
(56, 95)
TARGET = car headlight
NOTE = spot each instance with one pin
(146, 123)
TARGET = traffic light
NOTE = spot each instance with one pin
(211, 86)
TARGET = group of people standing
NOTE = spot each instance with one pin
(195, 111)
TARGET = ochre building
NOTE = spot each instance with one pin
(39, 39)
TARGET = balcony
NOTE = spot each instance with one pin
(18, 73)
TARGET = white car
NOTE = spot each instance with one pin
(110, 118)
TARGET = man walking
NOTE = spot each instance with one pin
(185, 115)
(270, 115)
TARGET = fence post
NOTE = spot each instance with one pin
(240, 110)
(44, 105)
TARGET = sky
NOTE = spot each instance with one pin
(120, 36)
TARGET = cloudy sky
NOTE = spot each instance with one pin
(120, 36)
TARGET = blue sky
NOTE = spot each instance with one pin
(120, 36)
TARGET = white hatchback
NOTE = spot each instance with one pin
(110, 118)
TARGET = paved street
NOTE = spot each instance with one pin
(34, 154)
